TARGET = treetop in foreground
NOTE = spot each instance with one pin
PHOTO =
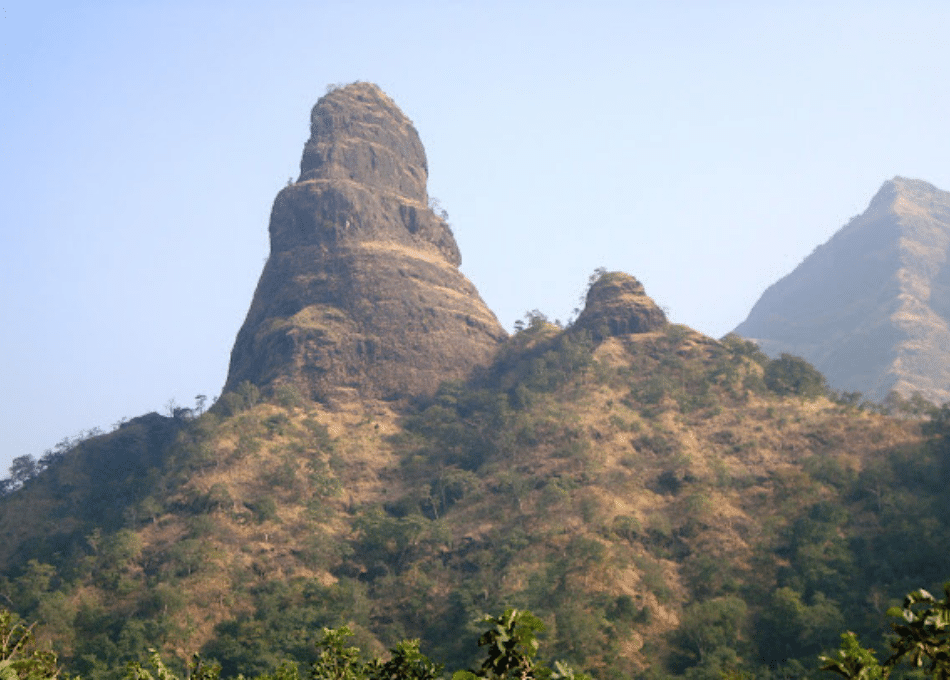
(922, 640)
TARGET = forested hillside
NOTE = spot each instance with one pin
(667, 505)
(386, 458)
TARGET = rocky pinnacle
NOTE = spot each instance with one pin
(361, 296)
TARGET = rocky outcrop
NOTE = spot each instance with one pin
(361, 296)
(871, 307)
(617, 304)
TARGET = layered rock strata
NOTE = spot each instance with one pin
(361, 295)
(617, 304)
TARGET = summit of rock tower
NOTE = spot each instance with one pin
(361, 296)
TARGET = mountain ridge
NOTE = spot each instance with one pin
(636, 484)
(867, 307)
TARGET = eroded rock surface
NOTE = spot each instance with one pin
(617, 304)
(361, 296)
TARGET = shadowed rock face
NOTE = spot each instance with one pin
(616, 305)
(361, 296)
(871, 307)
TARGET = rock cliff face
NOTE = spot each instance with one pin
(361, 296)
(616, 305)
(871, 307)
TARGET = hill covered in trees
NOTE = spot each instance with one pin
(647, 495)
(384, 457)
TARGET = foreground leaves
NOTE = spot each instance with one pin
(923, 640)
(512, 645)
(19, 659)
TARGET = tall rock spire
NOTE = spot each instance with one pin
(361, 296)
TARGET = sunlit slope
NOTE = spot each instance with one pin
(630, 490)
(871, 307)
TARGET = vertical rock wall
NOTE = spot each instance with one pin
(361, 296)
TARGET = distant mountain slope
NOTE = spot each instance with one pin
(871, 307)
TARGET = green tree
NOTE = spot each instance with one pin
(19, 658)
(23, 469)
(740, 347)
(337, 661)
(512, 645)
(406, 662)
(853, 661)
(197, 669)
(790, 375)
(792, 628)
(715, 623)
(923, 635)
(922, 638)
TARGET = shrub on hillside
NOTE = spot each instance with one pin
(790, 375)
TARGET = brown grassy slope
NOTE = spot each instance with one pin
(605, 496)
(661, 454)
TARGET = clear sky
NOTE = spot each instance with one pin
(704, 147)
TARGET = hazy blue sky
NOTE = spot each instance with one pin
(704, 147)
